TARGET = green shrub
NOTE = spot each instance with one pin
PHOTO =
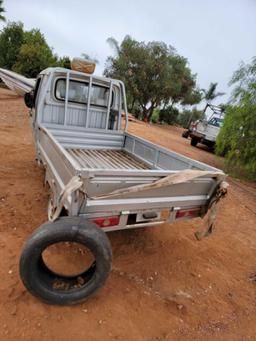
(237, 138)
(155, 116)
(169, 115)
(187, 116)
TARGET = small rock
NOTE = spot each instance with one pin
(180, 306)
(252, 278)
(10, 272)
(184, 294)
(14, 310)
(84, 310)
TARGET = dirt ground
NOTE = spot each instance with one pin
(165, 285)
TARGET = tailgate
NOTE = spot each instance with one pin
(188, 188)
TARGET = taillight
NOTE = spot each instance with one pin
(188, 213)
(194, 125)
(106, 221)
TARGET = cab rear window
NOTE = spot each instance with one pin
(78, 93)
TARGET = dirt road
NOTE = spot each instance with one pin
(165, 285)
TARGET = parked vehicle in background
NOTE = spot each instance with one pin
(205, 131)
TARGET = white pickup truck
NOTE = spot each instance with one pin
(206, 131)
(101, 179)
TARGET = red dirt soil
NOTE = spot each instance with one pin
(165, 285)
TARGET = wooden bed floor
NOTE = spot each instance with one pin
(106, 159)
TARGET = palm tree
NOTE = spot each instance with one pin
(210, 94)
(87, 56)
(2, 10)
(113, 43)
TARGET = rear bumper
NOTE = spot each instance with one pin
(131, 219)
(197, 135)
(202, 139)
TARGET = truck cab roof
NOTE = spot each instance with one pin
(74, 73)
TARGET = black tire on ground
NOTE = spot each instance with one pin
(194, 141)
(212, 148)
(185, 134)
(40, 280)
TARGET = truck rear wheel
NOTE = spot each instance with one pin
(54, 286)
(185, 134)
(194, 141)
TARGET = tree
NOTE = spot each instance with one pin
(2, 10)
(11, 39)
(187, 116)
(34, 54)
(154, 74)
(27, 52)
(169, 115)
(210, 94)
(64, 62)
(238, 134)
(244, 80)
(192, 97)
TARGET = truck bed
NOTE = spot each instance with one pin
(106, 159)
(109, 161)
(119, 152)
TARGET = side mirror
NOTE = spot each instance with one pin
(29, 99)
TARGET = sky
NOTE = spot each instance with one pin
(215, 36)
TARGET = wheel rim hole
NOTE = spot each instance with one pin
(68, 258)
